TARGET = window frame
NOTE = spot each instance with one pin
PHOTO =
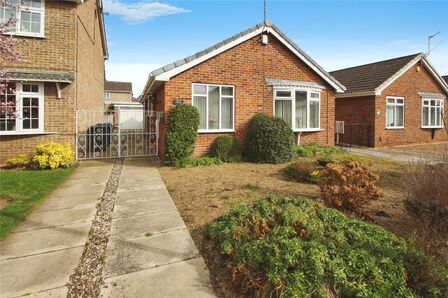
(219, 130)
(293, 107)
(441, 107)
(21, 8)
(394, 105)
(20, 94)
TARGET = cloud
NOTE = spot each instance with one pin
(140, 12)
(137, 73)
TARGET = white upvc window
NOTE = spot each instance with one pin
(216, 105)
(106, 95)
(298, 107)
(432, 112)
(22, 109)
(30, 15)
(394, 112)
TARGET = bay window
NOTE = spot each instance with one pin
(432, 113)
(299, 108)
(394, 112)
(29, 15)
(216, 105)
(21, 109)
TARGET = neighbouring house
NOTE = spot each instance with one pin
(259, 70)
(392, 102)
(128, 113)
(64, 48)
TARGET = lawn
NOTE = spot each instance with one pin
(22, 191)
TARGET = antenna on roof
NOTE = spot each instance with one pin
(429, 43)
(265, 18)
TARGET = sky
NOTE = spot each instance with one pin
(144, 35)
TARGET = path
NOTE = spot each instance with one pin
(150, 251)
(397, 156)
(39, 256)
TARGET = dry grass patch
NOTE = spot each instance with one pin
(424, 149)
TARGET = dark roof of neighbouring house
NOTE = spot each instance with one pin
(118, 86)
(217, 46)
(445, 78)
(370, 76)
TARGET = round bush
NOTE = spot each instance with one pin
(226, 148)
(182, 133)
(269, 140)
(53, 155)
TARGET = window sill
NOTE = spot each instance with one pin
(432, 127)
(308, 130)
(20, 34)
(216, 131)
(393, 128)
(25, 133)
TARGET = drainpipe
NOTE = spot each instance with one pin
(328, 120)
(298, 138)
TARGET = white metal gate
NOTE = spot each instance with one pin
(102, 134)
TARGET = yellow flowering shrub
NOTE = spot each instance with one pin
(19, 161)
(53, 155)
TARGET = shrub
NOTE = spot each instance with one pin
(226, 148)
(53, 155)
(269, 140)
(304, 171)
(19, 161)
(426, 190)
(311, 150)
(350, 186)
(293, 247)
(182, 133)
(325, 160)
(197, 161)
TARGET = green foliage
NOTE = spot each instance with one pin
(182, 133)
(269, 140)
(226, 148)
(311, 150)
(305, 250)
(53, 155)
(197, 161)
(19, 161)
(24, 190)
(304, 171)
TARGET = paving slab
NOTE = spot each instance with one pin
(139, 207)
(130, 255)
(67, 202)
(124, 195)
(58, 292)
(138, 226)
(37, 273)
(189, 279)
(79, 190)
(54, 218)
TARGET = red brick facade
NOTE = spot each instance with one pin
(246, 67)
(372, 110)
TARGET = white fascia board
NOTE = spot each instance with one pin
(355, 94)
(175, 71)
(307, 62)
(435, 74)
(398, 74)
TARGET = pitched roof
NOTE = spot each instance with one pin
(118, 86)
(368, 77)
(166, 72)
(445, 78)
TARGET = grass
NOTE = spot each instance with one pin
(24, 190)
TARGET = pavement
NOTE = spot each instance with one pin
(397, 156)
(40, 255)
(150, 251)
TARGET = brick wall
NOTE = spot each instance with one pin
(246, 67)
(408, 86)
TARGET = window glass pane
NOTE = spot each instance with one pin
(200, 103)
(301, 109)
(35, 123)
(283, 93)
(389, 116)
(213, 107)
(7, 14)
(283, 109)
(400, 100)
(425, 116)
(8, 113)
(227, 113)
(432, 116)
(227, 91)
(390, 100)
(26, 124)
(314, 114)
(200, 89)
(315, 95)
(35, 112)
(425, 102)
(399, 115)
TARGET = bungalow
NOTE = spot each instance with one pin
(259, 70)
(392, 102)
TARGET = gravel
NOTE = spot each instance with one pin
(87, 278)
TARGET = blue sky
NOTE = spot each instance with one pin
(143, 35)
